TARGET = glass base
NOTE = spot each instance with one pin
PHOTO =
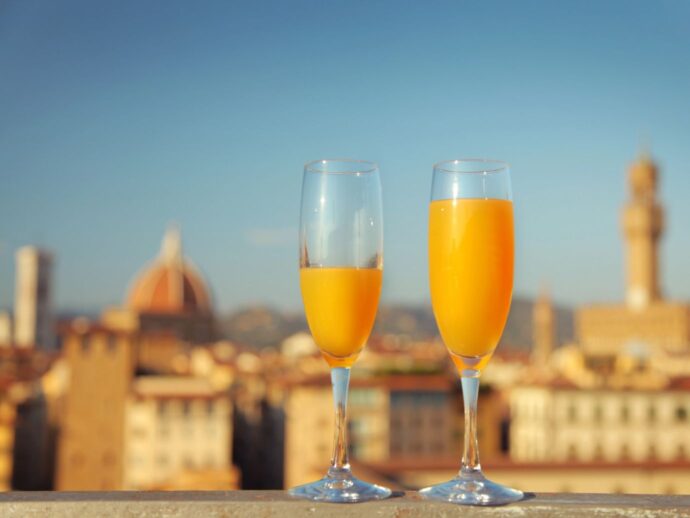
(472, 489)
(340, 488)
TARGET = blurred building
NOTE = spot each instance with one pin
(646, 320)
(127, 421)
(6, 336)
(174, 426)
(125, 431)
(34, 444)
(564, 423)
(7, 419)
(618, 399)
(92, 435)
(33, 311)
(25, 450)
(391, 418)
(544, 330)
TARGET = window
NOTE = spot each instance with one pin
(681, 413)
(210, 407)
(598, 414)
(572, 452)
(651, 452)
(572, 412)
(651, 413)
(625, 413)
(395, 448)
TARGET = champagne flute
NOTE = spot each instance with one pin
(341, 271)
(471, 281)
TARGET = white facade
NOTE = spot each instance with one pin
(174, 426)
(562, 424)
(33, 316)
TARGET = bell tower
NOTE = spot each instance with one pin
(543, 329)
(643, 222)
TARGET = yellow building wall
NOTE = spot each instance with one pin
(7, 417)
(606, 330)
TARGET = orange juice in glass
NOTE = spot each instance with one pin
(340, 304)
(471, 252)
(341, 270)
(471, 274)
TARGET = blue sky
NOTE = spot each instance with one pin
(117, 118)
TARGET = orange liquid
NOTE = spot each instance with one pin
(340, 304)
(471, 274)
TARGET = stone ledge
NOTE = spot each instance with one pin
(267, 504)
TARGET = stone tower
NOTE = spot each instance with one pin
(543, 329)
(91, 444)
(642, 227)
(33, 315)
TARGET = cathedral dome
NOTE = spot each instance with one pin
(170, 284)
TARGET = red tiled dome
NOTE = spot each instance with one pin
(170, 284)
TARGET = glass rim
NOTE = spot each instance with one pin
(367, 166)
(496, 166)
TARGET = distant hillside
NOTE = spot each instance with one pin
(419, 323)
(264, 327)
(260, 326)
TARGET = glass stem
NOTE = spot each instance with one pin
(470, 456)
(340, 379)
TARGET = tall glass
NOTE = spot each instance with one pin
(471, 280)
(341, 270)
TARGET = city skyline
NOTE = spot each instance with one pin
(205, 117)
